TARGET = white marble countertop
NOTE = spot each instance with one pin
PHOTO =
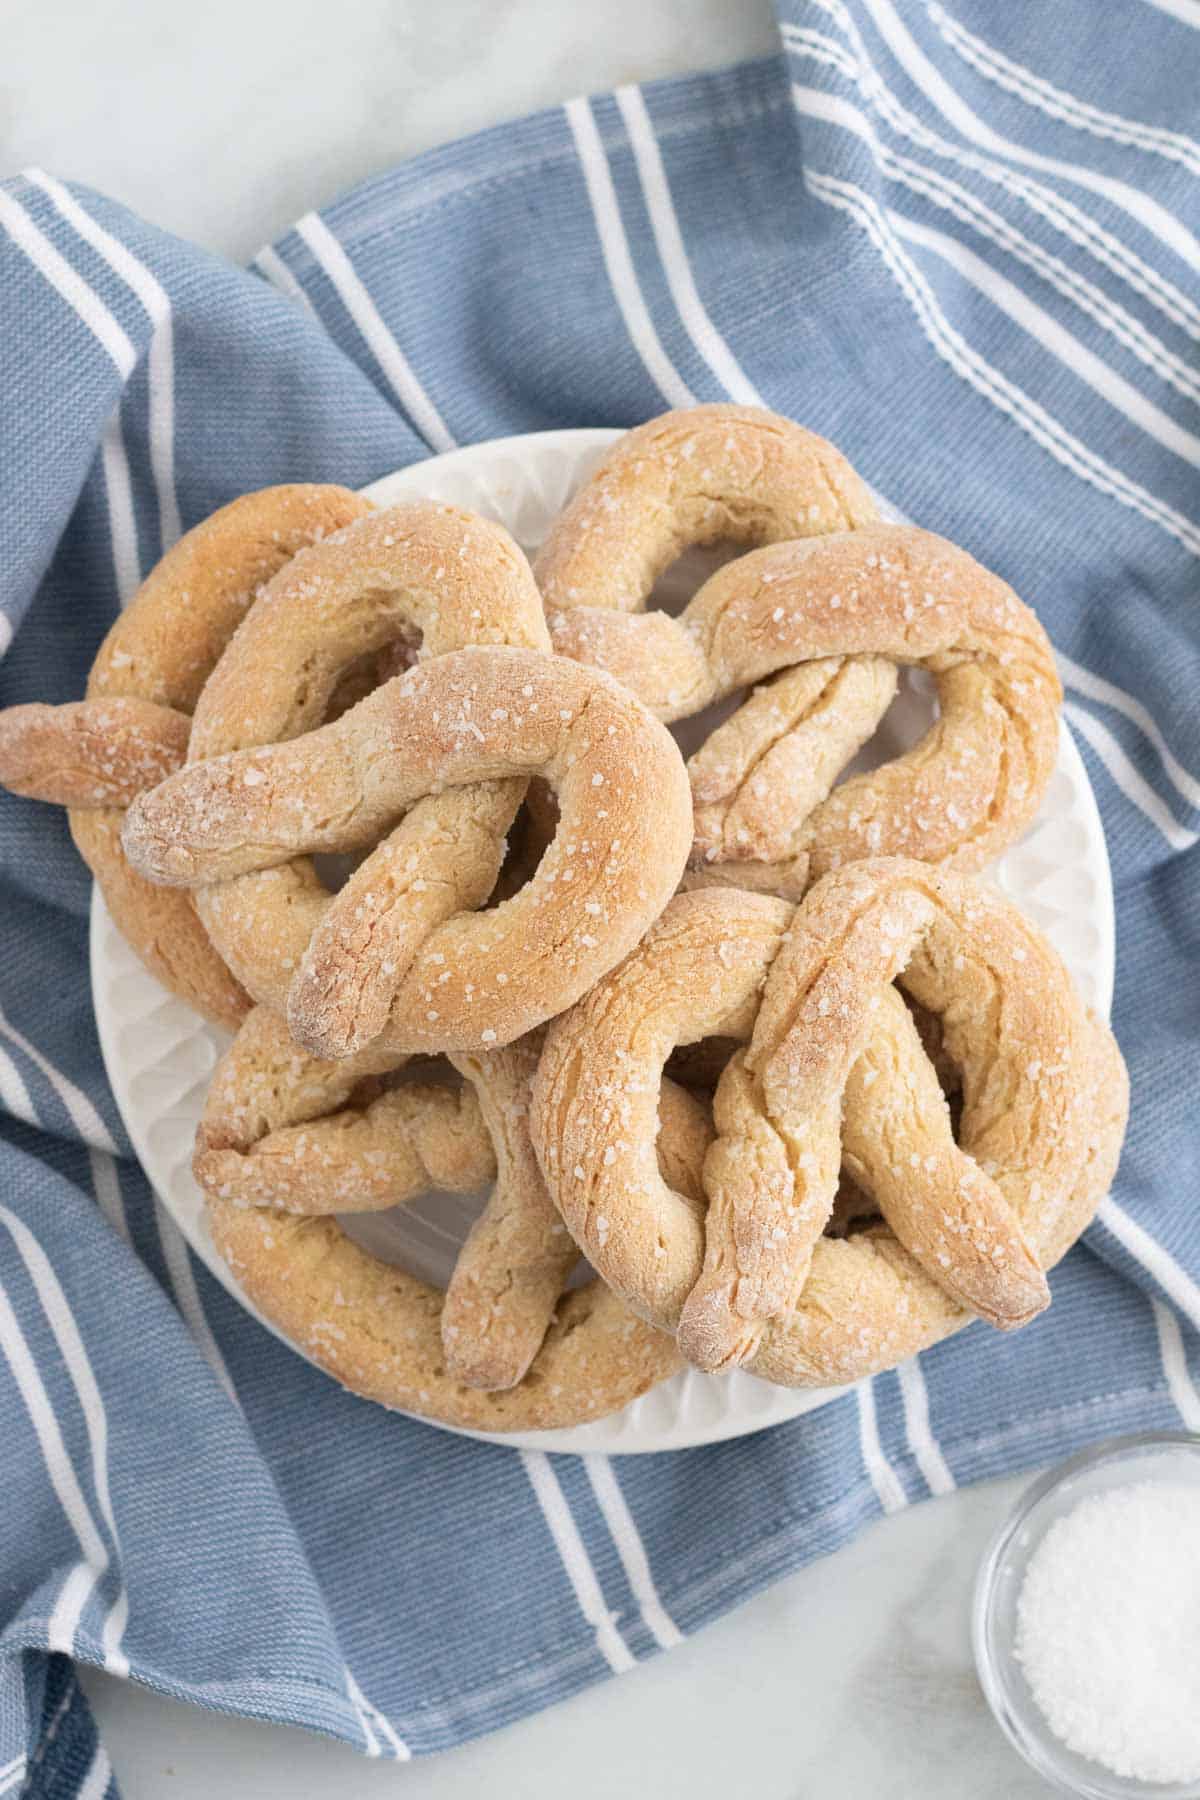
(225, 122)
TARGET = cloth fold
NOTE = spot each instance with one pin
(964, 244)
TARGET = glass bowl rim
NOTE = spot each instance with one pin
(1092, 1456)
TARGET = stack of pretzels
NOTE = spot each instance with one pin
(806, 1095)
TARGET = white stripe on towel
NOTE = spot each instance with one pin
(160, 360)
(63, 1478)
(1095, 687)
(106, 1185)
(86, 305)
(1135, 787)
(618, 262)
(14, 1095)
(79, 1108)
(575, 1560)
(1056, 103)
(1153, 1257)
(951, 197)
(271, 264)
(819, 48)
(371, 1744)
(396, 367)
(63, 1623)
(917, 1430)
(174, 1249)
(1063, 214)
(665, 223)
(889, 1489)
(1004, 394)
(1053, 337)
(1175, 1365)
(118, 489)
(73, 1596)
(107, 330)
(187, 1296)
(937, 90)
(370, 1716)
(98, 1779)
(631, 1550)
(61, 1319)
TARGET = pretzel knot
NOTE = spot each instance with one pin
(397, 956)
(824, 613)
(286, 1139)
(833, 1077)
(94, 756)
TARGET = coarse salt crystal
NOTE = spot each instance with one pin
(1108, 1629)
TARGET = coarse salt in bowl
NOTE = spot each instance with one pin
(1064, 1648)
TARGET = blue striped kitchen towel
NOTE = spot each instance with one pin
(960, 240)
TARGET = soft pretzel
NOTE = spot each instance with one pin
(421, 577)
(467, 981)
(90, 753)
(824, 613)
(96, 755)
(835, 1075)
(286, 1138)
(704, 475)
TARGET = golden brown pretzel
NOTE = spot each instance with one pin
(96, 755)
(417, 575)
(286, 1138)
(476, 980)
(822, 615)
(90, 753)
(1044, 1100)
(704, 475)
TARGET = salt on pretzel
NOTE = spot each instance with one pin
(703, 475)
(824, 614)
(466, 981)
(834, 1074)
(421, 577)
(286, 1138)
(441, 578)
(96, 755)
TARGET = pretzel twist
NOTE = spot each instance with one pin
(286, 1137)
(705, 475)
(419, 577)
(95, 756)
(823, 614)
(472, 981)
(834, 1076)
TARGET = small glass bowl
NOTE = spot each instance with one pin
(1151, 1456)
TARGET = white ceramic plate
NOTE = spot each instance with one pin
(160, 1055)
